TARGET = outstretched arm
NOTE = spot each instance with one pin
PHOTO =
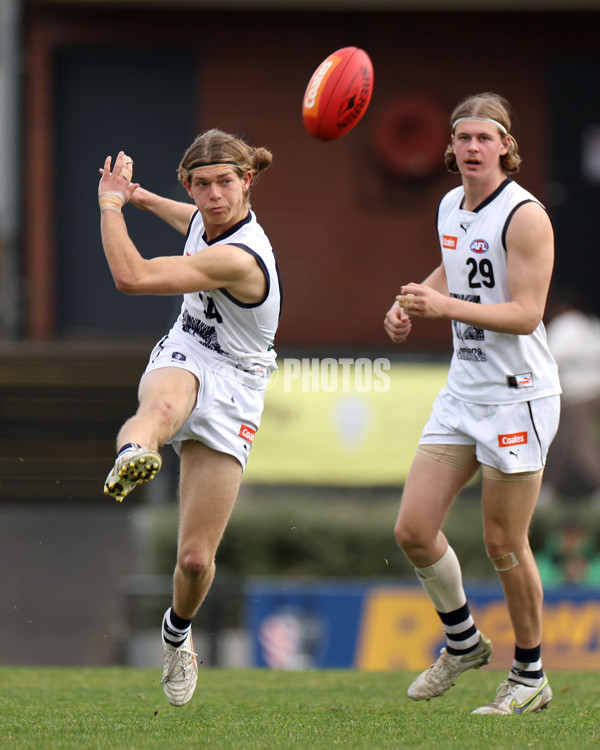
(219, 266)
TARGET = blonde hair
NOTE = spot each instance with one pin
(217, 147)
(492, 107)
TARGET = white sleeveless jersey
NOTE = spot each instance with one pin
(489, 367)
(214, 320)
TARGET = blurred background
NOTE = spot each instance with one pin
(308, 564)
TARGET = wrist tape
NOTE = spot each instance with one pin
(112, 200)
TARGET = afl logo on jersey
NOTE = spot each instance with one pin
(479, 246)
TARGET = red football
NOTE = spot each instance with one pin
(338, 93)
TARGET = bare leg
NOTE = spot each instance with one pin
(507, 511)
(430, 489)
(166, 399)
(209, 486)
(208, 490)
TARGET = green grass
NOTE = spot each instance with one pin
(105, 708)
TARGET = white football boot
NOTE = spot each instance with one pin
(180, 671)
(441, 675)
(132, 467)
(515, 698)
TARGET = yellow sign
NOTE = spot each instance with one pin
(399, 629)
(344, 422)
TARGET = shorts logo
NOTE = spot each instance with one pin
(479, 246)
(448, 242)
(247, 433)
(178, 356)
(515, 438)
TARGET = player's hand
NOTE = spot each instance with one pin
(422, 301)
(118, 180)
(397, 324)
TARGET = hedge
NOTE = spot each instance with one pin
(348, 533)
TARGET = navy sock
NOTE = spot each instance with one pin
(461, 634)
(127, 447)
(175, 628)
(527, 666)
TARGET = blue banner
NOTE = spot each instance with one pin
(372, 626)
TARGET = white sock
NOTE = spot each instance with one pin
(442, 582)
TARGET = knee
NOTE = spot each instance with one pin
(494, 543)
(164, 410)
(498, 543)
(495, 550)
(195, 563)
(408, 538)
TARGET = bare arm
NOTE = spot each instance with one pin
(530, 259)
(175, 213)
(218, 266)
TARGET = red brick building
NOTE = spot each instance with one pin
(350, 220)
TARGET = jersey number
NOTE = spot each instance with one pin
(484, 269)
(210, 309)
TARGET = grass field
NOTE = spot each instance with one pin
(115, 707)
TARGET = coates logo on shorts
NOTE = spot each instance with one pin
(247, 433)
(448, 242)
(515, 438)
(479, 246)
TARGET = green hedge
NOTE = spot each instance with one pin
(348, 533)
(307, 538)
(316, 533)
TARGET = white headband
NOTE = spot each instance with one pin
(500, 127)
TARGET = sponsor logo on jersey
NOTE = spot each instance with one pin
(471, 354)
(515, 438)
(178, 357)
(205, 334)
(522, 380)
(479, 246)
(448, 242)
(247, 433)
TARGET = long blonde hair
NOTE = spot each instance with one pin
(494, 107)
(217, 147)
